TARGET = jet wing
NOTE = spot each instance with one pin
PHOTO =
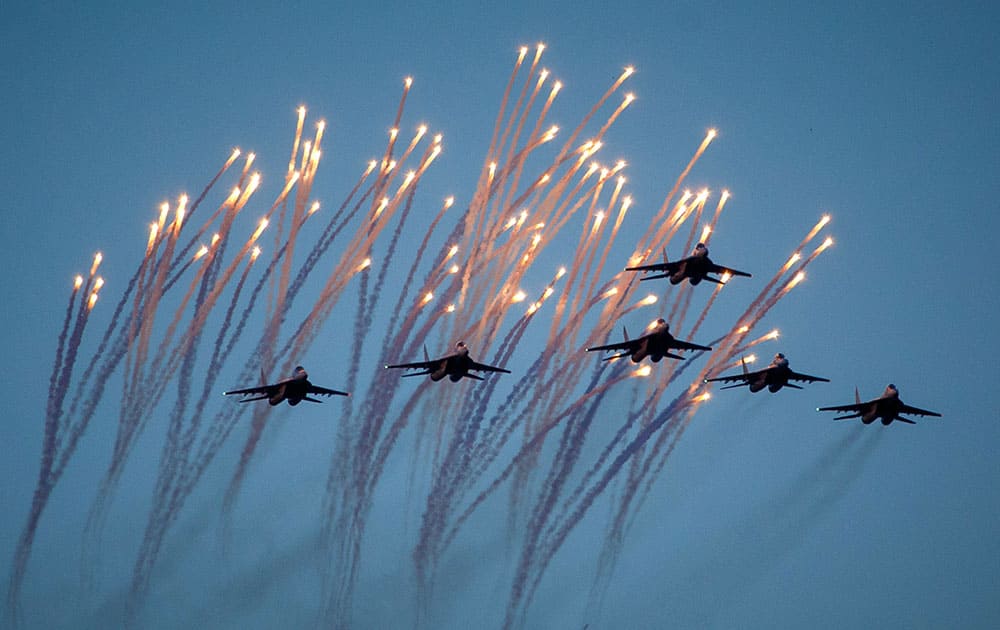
(669, 267)
(263, 389)
(856, 407)
(487, 368)
(622, 345)
(805, 378)
(322, 391)
(719, 269)
(687, 345)
(417, 365)
(735, 378)
(917, 412)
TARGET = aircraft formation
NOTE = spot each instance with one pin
(655, 344)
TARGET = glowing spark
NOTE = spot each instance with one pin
(201, 252)
(560, 273)
(610, 292)
(742, 330)
(653, 324)
(547, 292)
(711, 135)
(450, 309)
(510, 223)
(314, 207)
(531, 309)
(98, 257)
(705, 233)
(493, 169)
(538, 226)
(98, 283)
(92, 301)
(366, 263)
(799, 277)
(453, 269)
(427, 298)
(828, 242)
(518, 297)
(643, 371)
(794, 258)
(648, 300)
(451, 252)
(408, 81)
(628, 99)
(725, 277)
(371, 167)
(702, 397)
(629, 70)
(774, 334)
(77, 282)
(536, 239)
(215, 238)
(254, 254)
(748, 359)
(448, 202)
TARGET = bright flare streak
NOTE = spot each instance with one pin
(705, 233)
(532, 308)
(749, 359)
(381, 206)
(260, 229)
(314, 207)
(742, 330)
(628, 99)
(201, 252)
(98, 283)
(643, 371)
(451, 252)
(450, 309)
(629, 70)
(215, 238)
(371, 167)
(799, 277)
(794, 258)
(366, 263)
(711, 135)
(98, 257)
(510, 223)
(453, 269)
(92, 301)
(408, 81)
(164, 209)
(535, 240)
(153, 229)
(828, 242)
(702, 397)
(598, 219)
(610, 292)
(493, 169)
(648, 300)
(427, 298)
(725, 195)
(774, 334)
(560, 273)
(518, 297)
(725, 277)
(449, 202)
(77, 282)
(254, 254)
(652, 325)
(547, 292)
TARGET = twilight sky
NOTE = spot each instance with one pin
(767, 514)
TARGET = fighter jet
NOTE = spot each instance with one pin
(655, 344)
(454, 366)
(294, 390)
(773, 377)
(887, 407)
(695, 268)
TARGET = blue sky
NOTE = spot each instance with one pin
(768, 514)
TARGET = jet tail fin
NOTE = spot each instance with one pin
(427, 357)
(625, 331)
(743, 361)
(664, 255)
(857, 396)
(263, 379)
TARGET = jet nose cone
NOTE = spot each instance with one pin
(891, 386)
(779, 356)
